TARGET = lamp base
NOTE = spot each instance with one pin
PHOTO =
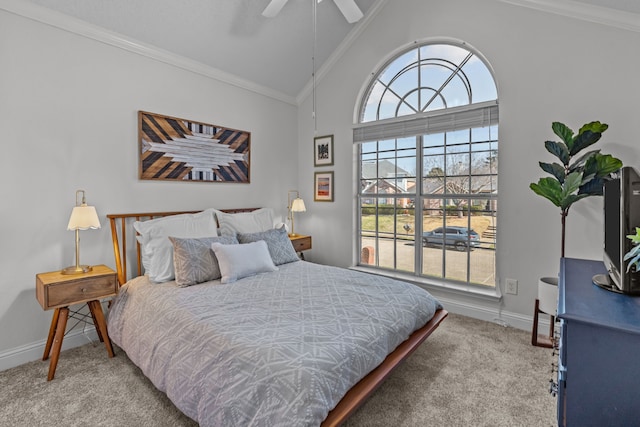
(77, 269)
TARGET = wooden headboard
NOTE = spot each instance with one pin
(119, 224)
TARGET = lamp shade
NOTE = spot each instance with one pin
(298, 205)
(83, 217)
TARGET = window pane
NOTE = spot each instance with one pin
(466, 245)
(435, 140)
(387, 232)
(397, 65)
(432, 255)
(368, 227)
(369, 147)
(456, 92)
(484, 88)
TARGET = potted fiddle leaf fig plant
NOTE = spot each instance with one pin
(576, 175)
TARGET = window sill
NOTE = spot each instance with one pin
(489, 294)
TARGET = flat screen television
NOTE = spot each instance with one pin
(621, 217)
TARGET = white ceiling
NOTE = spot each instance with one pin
(232, 35)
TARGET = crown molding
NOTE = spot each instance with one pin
(585, 12)
(94, 32)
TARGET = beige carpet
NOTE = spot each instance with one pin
(468, 373)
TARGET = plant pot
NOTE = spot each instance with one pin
(548, 295)
(547, 302)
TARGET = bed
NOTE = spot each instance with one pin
(295, 344)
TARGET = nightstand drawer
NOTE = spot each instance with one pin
(64, 294)
(301, 243)
(55, 290)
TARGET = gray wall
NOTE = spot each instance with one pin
(548, 68)
(68, 114)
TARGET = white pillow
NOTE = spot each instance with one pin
(238, 261)
(157, 251)
(245, 222)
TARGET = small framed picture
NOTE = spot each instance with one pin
(323, 187)
(323, 150)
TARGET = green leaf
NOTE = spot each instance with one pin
(579, 163)
(633, 263)
(584, 140)
(592, 187)
(633, 252)
(635, 237)
(634, 256)
(554, 169)
(595, 127)
(564, 132)
(569, 188)
(591, 166)
(606, 164)
(572, 183)
(570, 199)
(559, 150)
(548, 188)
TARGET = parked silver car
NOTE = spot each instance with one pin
(462, 238)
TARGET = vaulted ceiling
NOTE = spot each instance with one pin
(232, 35)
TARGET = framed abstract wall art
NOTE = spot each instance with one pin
(323, 187)
(185, 150)
(323, 150)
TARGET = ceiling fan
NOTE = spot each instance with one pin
(349, 9)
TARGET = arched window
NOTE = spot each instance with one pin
(428, 159)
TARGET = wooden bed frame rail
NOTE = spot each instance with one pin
(358, 393)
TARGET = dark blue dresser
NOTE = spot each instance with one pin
(599, 350)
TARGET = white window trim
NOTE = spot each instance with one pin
(485, 293)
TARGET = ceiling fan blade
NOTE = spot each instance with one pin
(350, 10)
(273, 8)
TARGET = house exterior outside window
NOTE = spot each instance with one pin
(427, 158)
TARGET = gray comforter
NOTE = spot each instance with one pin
(276, 349)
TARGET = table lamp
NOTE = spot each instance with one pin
(82, 217)
(295, 204)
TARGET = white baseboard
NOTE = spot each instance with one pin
(30, 352)
(504, 318)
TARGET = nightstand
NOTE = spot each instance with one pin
(58, 291)
(300, 243)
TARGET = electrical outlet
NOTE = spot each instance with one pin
(511, 286)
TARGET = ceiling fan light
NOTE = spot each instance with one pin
(273, 8)
(350, 10)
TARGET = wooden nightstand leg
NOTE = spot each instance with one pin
(101, 325)
(95, 323)
(57, 342)
(52, 332)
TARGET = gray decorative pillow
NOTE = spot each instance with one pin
(280, 246)
(194, 261)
